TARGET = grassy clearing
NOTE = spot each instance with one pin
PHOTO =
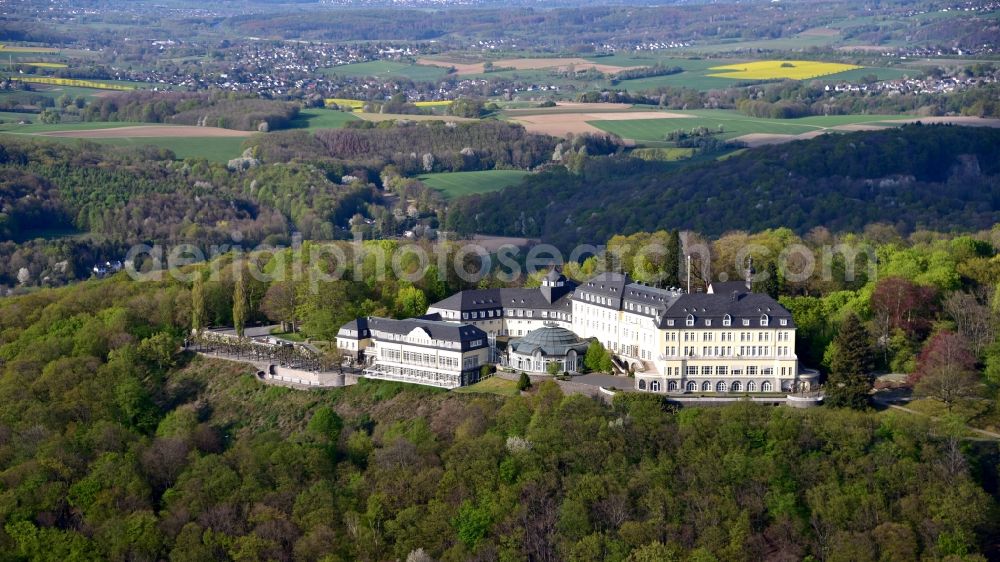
(456, 184)
(315, 118)
(780, 69)
(385, 68)
(407, 117)
(799, 42)
(53, 92)
(219, 149)
(9, 117)
(289, 336)
(733, 124)
(663, 154)
(11, 125)
(492, 385)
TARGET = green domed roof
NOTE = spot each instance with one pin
(552, 340)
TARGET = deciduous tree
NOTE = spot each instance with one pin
(946, 369)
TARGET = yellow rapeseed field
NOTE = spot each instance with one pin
(16, 49)
(355, 105)
(777, 69)
(71, 82)
(45, 64)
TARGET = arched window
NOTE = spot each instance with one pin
(671, 386)
(706, 386)
(765, 386)
(654, 386)
(751, 386)
(763, 320)
(642, 384)
(690, 320)
(720, 387)
(737, 386)
(692, 386)
(727, 320)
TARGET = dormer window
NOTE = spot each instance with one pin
(783, 321)
(708, 322)
(727, 320)
(690, 320)
(746, 321)
(763, 320)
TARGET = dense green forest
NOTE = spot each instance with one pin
(229, 111)
(116, 446)
(914, 176)
(420, 147)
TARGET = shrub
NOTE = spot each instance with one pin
(524, 382)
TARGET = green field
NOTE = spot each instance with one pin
(651, 132)
(799, 42)
(220, 149)
(492, 385)
(11, 126)
(315, 118)
(384, 68)
(456, 184)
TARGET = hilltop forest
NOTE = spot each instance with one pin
(114, 445)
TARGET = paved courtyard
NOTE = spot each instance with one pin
(607, 381)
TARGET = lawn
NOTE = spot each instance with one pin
(11, 126)
(315, 118)
(492, 385)
(653, 131)
(456, 184)
(219, 149)
(799, 42)
(384, 68)
(408, 117)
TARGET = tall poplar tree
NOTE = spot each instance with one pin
(240, 304)
(198, 303)
(672, 264)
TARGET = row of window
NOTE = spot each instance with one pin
(519, 312)
(725, 351)
(727, 321)
(390, 336)
(417, 373)
(414, 358)
(707, 386)
(724, 370)
(727, 336)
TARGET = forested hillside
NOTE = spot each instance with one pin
(420, 147)
(939, 177)
(119, 197)
(113, 446)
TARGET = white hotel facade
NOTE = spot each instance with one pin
(727, 340)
